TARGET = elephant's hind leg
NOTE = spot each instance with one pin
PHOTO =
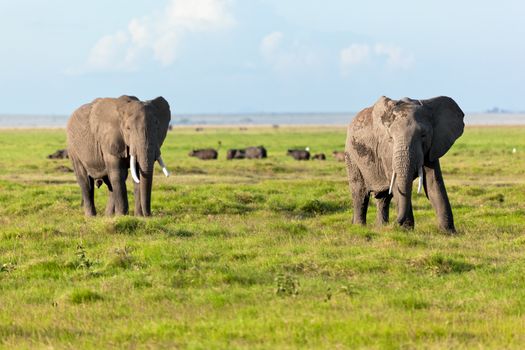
(110, 206)
(360, 197)
(383, 206)
(119, 195)
(360, 194)
(87, 186)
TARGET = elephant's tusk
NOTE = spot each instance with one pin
(133, 166)
(164, 169)
(420, 174)
(392, 182)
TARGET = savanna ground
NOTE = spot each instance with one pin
(261, 253)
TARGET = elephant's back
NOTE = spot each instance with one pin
(362, 119)
(81, 143)
(78, 124)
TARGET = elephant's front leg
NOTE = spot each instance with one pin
(383, 206)
(360, 194)
(110, 206)
(118, 173)
(437, 194)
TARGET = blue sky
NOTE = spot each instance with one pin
(235, 56)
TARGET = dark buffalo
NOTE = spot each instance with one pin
(235, 154)
(339, 156)
(319, 156)
(204, 154)
(59, 154)
(298, 154)
(258, 152)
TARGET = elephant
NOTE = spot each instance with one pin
(204, 154)
(258, 152)
(390, 144)
(109, 135)
(298, 154)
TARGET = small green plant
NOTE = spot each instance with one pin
(7, 267)
(328, 295)
(123, 257)
(349, 290)
(286, 285)
(82, 261)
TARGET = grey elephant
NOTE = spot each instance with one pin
(108, 136)
(392, 143)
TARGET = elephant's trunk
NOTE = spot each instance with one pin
(405, 167)
(145, 192)
(146, 162)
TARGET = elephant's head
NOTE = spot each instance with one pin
(141, 130)
(420, 132)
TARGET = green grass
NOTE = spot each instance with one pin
(260, 253)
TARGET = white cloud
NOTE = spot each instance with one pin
(358, 54)
(286, 59)
(396, 56)
(353, 55)
(270, 44)
(159, 35)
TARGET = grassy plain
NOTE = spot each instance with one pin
(261, 254)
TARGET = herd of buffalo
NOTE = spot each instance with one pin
(258, 152)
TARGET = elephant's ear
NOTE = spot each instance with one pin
(163, 114)
(382, 112)
(447, 122)
(105, 122)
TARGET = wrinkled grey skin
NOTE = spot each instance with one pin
(401, 136)
(103, 134)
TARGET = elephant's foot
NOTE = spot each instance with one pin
(359, 221)
(406, 223)
(450, 229)
(380, 221)
(90, 212)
